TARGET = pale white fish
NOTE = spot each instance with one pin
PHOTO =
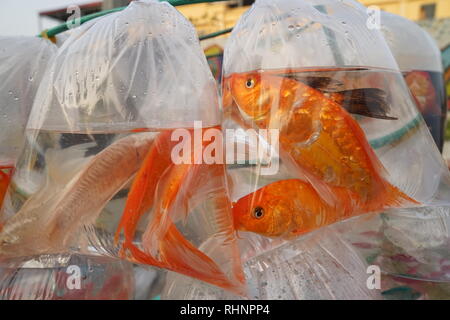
(61, 167)
(48, 225)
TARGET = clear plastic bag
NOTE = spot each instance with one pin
(100, 174)
(23, 61)
(321, 265)
(67, 277)
(325, 45)
(419, 59)
(351, 140)
(408, 249)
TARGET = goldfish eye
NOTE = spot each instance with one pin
(250, 83)
(258, 212)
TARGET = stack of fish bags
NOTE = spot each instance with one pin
(123, 154)
(330, 132)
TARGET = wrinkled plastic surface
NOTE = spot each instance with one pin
(321, 265)
(23, 61)
(67, 277)
(410, 248)
(148, 282)
(137, 58)
(351, 140)
(419, 59)
(412, 47)
(98, 173)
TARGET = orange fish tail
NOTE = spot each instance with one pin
(4, 183)
(391, 197)
(181, 256)
(140, 256)
(141, 194)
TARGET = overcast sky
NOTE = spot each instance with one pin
(20, 17)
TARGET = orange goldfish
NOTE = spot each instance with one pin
(317, 133)
(288, 208)
(159, 184)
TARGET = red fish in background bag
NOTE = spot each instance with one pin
(5, 178)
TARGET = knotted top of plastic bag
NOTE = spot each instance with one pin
(412, 46)
(23, 61)
(139, 68)
(298, 33)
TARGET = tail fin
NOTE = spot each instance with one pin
(141, 195)
(181, 256)
(369, 102)
(396, 197)
(391, 197)
(162, 237)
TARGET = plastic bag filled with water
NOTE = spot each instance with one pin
(419, 59)
(322, 89)
(327, 48)
(124, 152)
(23, 61)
